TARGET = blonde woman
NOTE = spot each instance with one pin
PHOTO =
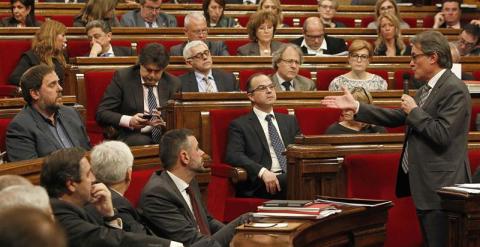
(387, 6)
(275, 7)
(47, 48)
(389, 41)
(97, 10)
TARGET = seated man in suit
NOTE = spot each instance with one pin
(256, 142)
(44, 124)
(131, 100)
(100, 35)
(111, 163)
(171, 201)
(203, 78)
(450, 16)
(286, 63)
(149, 15)
(196, 29)
(468, 43)
(70, 183)
(315, 42)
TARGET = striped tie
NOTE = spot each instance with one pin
(423, 97)
(152, 106)
(208, 85)
(277, 143)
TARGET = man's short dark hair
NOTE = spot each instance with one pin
(250, 79)
(100, 24)
(459, 2)
(431, 42)
(58, 168)
(171, 144)
(154, 53)
(473, 30)
(32, 80)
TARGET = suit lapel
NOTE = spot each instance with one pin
(137, 89)
(42, 125)
(179, 196)
(69, 129)
(217, 78)
(258, 129)
(436, 89)
(139, 20)
(277, 83)
(192, 82)
(282, 125)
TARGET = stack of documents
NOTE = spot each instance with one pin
(296, 209)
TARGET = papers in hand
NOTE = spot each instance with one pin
(468, 188)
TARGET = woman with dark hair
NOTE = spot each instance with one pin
(48, 46)
(97, 10)
(23, 14)
(213, 10)
(390, 41)
(261, 29)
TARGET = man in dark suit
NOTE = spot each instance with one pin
(315, 42)
(286, 63)
(67, 176)
(450, 16)
(203, 78)
(131, 100)
(100, 35)
(256, 142)
(44, 124)
(149, 15)
(435, 149)
(196, 29)
(171, 201)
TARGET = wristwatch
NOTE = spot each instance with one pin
(113, 217)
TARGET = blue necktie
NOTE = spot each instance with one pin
(152, 106)
(277, 143)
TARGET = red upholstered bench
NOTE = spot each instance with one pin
(81, 47)
(11, 51)
(67, 20)
(232, 45)
(324, 77)
(315, 121)
(166, 43)
(398, 75)
(140, 177)
(374, 176)
(4, 122)
(473, 117)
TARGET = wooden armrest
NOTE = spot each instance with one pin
(235, 174)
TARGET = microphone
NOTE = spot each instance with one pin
(406, 80)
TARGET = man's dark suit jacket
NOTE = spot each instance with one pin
(437, 136)
(225, 82)
(217, 48)
(133, 18)
(28, 60)
(124, 96)
(167, 213)
(334, 45)
(252, 48)
(83, 230)
(248, 147)
(28, 136)
(120, 51)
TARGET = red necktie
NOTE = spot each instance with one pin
(196, 211)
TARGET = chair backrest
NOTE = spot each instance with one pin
(324, 77)
(315, 121)
(245, 74)
(140, 177)
(398, 75)
(166, 43)
(67, 20)
(96, 82)
(11, 52)
(233, 45)
(476, 75)
(380, 72)
(4, 122)
(81, 47)
(473, 117)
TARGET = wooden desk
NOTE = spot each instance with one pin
(354, 226)
(463, 211)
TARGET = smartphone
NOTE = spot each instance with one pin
(147, 116)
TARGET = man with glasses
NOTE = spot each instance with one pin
(257, 140)
(437, 118)
(316, 43)
(130, 102)
(286, 62)
(450, 15)
(149, 15)
(468, 43)
(196, 29)
(204, 78)
(327, 10)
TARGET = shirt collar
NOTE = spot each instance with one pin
(281, 80)
(110, 50)
(433, 81)
(181, 185)
(143, 83)
(323, 47)
(200, 76)
(261, 115)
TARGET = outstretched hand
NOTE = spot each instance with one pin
(343, 102)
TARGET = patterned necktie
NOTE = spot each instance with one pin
(150, 24)
(202, 225)
(107, 54)
(287, 85)
(277, 143)
(152, 106)
(423, 97)
(208, 85)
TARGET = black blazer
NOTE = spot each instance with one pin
(167, 213)
(334, 45)
(28, 60)
(120, 51)
(83, 230)
(225, 82)
(124, 96)
(253, 49)
(247, 146)
(12, 22)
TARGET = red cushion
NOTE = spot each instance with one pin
(96, 82)
(428, 21)
(244, 75)
(139, 179)
(166, 43)
(243, 21)
(476, 75)
(366, 20)
(67, 20)
(380, 72)
(473, 117)
(374, 176)
(81, 47)
(11, 49)
(233, 45)
(315, 121)
(324, 77)
(398, 75)
(305, 72)
(4, 122)
(180, 20)
(474, 157)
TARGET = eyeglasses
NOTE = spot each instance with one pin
(200, 55)
(314, 37)
(416, 56)
(327, 6)
(467, 44)
(263, 88)
(357, 57)
(152, 9)
(290, 61)
(201, 31)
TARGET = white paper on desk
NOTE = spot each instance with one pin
(457, 70)
(469, 186)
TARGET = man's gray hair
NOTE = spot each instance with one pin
(187, 53)
(277, 55)
(431, 42)
(193, 15)
(10, 180)
(110, 161)
(25, 196)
